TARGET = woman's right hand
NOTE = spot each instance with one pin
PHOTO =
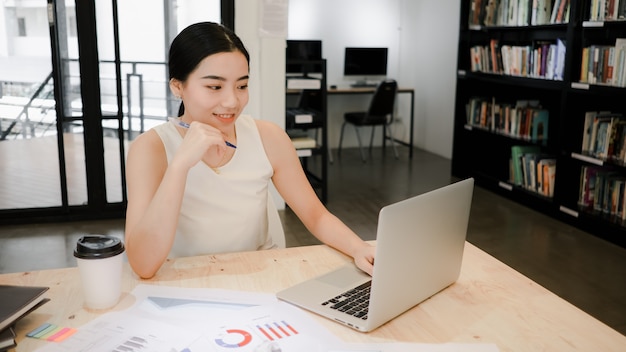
(201, 142)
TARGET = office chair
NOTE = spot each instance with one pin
(380, 113)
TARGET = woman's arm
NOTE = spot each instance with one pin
(156, 189)
(154, 197)
(293, 186)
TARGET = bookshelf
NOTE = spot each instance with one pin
(306, 120)
(517, 53)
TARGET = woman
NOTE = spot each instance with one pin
(199, 184)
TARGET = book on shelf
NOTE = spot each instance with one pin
(502, 13)
(490, 12)
(615, 145)
(604, 64)
(593, 10)
(619, 64)
(559, 65)
(543, 59)
(16, 301)
(541, 11)
(587, 130)
(522, 13)
(517, 152)
(607, 10)
(547, 170)
(495, 64)
(533, 170)
(555, 9)
(584, 65)
(602, 190)
(604, 136)
(539, 125)
(526, 119)
(517, 12)
(615, 193)
(474, 13)
(614, 186)
(603, 128)
(587, 186)
(511, 18)
(484, 12)
(562, 14)
(560, 11)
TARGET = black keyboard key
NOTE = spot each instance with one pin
(354, 301)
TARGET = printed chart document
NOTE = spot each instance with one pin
(173, 319)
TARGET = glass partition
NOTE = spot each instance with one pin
(43, 122)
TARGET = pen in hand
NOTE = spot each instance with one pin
(186, 125)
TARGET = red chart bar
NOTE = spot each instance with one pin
(277, 330)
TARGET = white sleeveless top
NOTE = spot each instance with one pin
(229, 211)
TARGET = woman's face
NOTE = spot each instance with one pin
(216, 92)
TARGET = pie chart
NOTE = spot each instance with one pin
(234, 338)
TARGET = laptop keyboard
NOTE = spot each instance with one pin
(353, 302)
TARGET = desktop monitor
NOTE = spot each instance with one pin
(363, 64)
(301, 50)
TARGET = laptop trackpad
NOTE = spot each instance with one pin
(346, 276)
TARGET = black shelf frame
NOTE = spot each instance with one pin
(315, 170)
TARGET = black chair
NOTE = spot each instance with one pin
(380, 113)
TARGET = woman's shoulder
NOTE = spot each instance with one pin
(276, 142)
(148, 141)
(271, 134)
(266, 127)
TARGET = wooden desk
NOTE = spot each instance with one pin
(490, 302)
(370, 90)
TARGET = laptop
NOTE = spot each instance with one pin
(419, 250)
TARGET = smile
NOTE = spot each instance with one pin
(224, 116)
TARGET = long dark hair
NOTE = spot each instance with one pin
(195, 43)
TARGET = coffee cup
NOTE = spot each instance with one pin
(99, 259)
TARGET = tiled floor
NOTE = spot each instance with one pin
(587, 271)
(30, 176)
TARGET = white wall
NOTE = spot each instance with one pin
(429, 54)
(422, 38)
(267, 68)
(267, 64)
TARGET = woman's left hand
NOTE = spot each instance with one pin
(364, 258)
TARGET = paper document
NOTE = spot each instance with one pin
(174, 319)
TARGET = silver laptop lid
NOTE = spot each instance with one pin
(419, 251)
(421, 240)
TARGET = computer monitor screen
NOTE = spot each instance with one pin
(365, 62)
(302, 50)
